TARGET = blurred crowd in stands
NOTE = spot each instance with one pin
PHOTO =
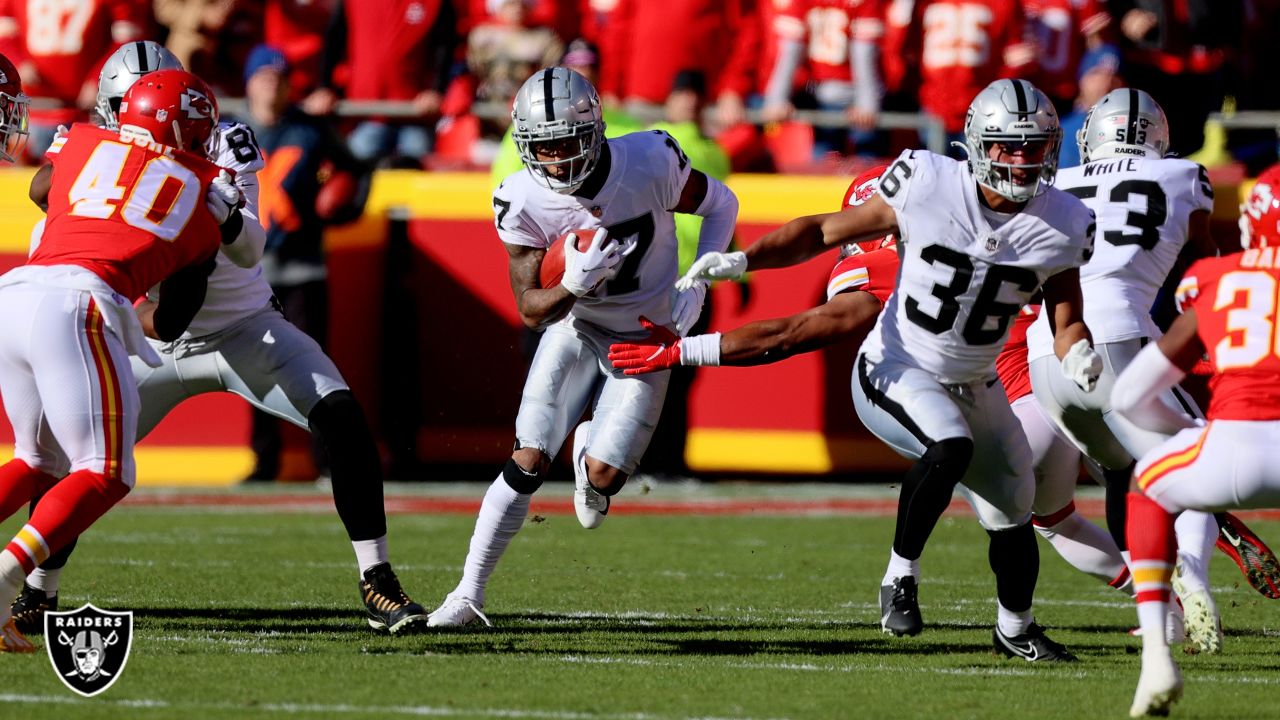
(741, 72)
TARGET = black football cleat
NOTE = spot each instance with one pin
(1032, 646)
(900, 607)
(29, 608)
(387, 607)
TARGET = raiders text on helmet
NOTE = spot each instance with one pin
(1125, 121)
(125, 66)
(558, 127)
(1012, 112)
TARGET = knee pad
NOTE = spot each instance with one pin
(952, 455)
(521, 480)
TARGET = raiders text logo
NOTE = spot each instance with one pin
(88, 647)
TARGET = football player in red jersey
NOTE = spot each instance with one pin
(1229, 312)
(127, 210)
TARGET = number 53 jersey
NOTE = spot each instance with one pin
(636, 183)
(966, 271)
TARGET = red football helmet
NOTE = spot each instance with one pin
(1260, 214)
(13, 112)
(863, 187)
(171, 107)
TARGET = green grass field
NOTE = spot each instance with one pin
(255, 613)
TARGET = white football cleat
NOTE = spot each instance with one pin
(1159, 686)
(1203, 623)
(457, 611)
(588, 503)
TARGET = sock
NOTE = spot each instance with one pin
(900, 567)
(501, 515)
(1013, 623)
(1197, 533)
(1085, 546)
(355, 467)
(926, 493)
(19, 482)
(11, 575)
(66, 511)
(1151, 541)
(1015, 560)
(46, 580)
(1117, 491)
(369, 553)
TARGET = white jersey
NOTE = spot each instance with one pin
(961, 279)
(234, 293)
(644, 177)
(1143, 207)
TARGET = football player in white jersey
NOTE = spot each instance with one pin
(977, 240)
(1148, 208)
(240, 342)
(627, 187)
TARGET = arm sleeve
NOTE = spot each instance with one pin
(785, 64)
(1137, 392)
(867, 31)
(247, 247)
(719, 211)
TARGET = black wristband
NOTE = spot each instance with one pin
(231, 228)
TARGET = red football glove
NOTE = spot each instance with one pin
(659, 351)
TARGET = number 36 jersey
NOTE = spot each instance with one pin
(636, 183)
(967, 271)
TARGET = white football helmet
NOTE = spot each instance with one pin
(1125, 122)
(558, 109)
(128, 63)
(1012, 112)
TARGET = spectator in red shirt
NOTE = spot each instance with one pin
(959, 47)
(59, 49)
(1063, 30)
(394, 50)
(297, 28)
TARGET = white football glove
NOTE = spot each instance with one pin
(584, 270)
(1082, 365)
(63, 130)
(714, 266)
(688, 307)
(223, 197)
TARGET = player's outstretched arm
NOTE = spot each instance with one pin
(807, 237)
(538, 307)
(1160, 366)
(849, 315)
(1072, 341)
(181, 296)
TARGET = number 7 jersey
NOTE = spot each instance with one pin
(131, 212)
(639, 179)
(966, 271)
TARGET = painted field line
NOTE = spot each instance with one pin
(343, 709)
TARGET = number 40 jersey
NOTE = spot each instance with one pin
(966, 270)
(638, 180)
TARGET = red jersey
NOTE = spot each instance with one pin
(1059, 28)
(1235, 302)
(829, 27)
(389, 49)
(875, 272)
(297, 28)
(961, 47)
(133, 213)
(755, 50)
(67, 42)
(1011, 364)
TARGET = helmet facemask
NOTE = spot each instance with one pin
(1016, 181)
(561, 157)
(13, 125)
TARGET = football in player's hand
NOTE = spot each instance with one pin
(553, 261)
(336, 197)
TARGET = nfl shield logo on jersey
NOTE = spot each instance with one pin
(993, 243)
(88, 647)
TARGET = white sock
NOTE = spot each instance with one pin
(1152, 616)
(1013, 623)
(11, 577)
(368, 553)
(46, 580)
(1197, 533)
(899, 567)
(501, 516)
(1086, 547)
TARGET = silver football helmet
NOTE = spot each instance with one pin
(558, 127)
(1014, 113)
(1125, 122)
(128, 63)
